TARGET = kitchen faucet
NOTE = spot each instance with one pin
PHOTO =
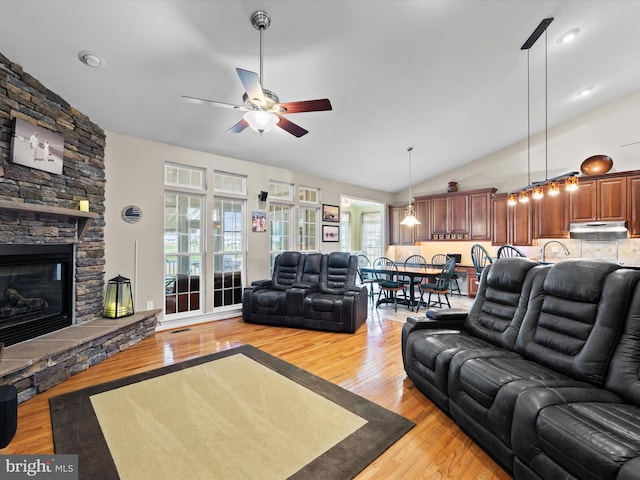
(566, 250)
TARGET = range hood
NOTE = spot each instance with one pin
(601, 231)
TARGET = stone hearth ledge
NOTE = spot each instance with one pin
(36, 365)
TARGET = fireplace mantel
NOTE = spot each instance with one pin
(83, 218)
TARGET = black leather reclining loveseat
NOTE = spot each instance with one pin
(315, 290)
(544, 370)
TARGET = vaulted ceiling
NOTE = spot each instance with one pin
(447, 77)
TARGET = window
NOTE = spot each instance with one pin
(372, 234)
(280, 191)
(183, 251)
(228, 251)
(186, 177)
(279, 230)
(345, 231)
(309, 195)
(229, 183)
(307, 228)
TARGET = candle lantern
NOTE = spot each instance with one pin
(118, 299)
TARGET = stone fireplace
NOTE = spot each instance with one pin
(52, 255)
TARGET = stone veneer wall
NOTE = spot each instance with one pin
(83, 177)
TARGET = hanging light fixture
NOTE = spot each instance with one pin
(260, 120)
(553, 187)
(410, 216)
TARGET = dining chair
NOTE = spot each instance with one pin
(414, 261)
(388, 283)
(438, 261)
(509, 251)
(442, 286)
(480, 258)
(366, 278)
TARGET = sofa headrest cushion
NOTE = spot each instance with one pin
(579, 280)
(507, 274)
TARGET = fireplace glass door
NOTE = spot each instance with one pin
(35, 290)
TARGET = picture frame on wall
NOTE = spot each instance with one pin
(330, 213)
(330, 233)
(258, 221)
(36, 147)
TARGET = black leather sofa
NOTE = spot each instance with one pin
(315, 291)
(544, 371)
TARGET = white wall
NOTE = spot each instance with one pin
(602, 131)
(135, 176)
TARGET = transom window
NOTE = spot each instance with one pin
(280, 191)
(186, 177)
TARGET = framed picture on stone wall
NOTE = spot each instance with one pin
(36, 147)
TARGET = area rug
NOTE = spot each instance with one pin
(237, 414)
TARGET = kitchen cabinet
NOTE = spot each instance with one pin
(551, 219)
(450, 216)
(602, 199)
(633, 208)
(447, 216)
(472, 282)
(480, 216)
(423, 214)
(399, 234)
(512, 224)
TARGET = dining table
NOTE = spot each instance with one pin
(415, 274)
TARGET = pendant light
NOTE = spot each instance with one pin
(553, 188)
(410, 216)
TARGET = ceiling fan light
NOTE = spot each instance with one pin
(261, 121)
(553, 189)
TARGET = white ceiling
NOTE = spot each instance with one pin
(447, 77)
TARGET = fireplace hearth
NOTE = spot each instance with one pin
(36, 290)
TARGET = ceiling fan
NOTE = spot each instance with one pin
(263, 108)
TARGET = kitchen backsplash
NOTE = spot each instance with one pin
(625, 252)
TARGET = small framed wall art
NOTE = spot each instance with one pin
(330, 213)
(330, 233)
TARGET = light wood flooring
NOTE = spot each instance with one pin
(368, 363)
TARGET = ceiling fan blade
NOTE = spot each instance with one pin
(212, 103)
(238, 127)
(251, 84)
(292, 128)
(307, 106)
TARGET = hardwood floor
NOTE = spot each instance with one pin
(368, 363)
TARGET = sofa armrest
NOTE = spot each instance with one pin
(448, 315)
(357, 290)
(261, 283)
(425, 323)
(308, 287)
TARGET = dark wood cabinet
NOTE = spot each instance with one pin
(633, 207)
(439, 211)
(551, 219)
(599, 199)
(399, 234)
(480, 216)
(423, 214)
(512, 224)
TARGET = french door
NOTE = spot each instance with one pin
(228, 251)
(183, 249)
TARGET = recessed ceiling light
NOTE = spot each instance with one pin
(91, 59)
(569, 36)
(585, 91)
